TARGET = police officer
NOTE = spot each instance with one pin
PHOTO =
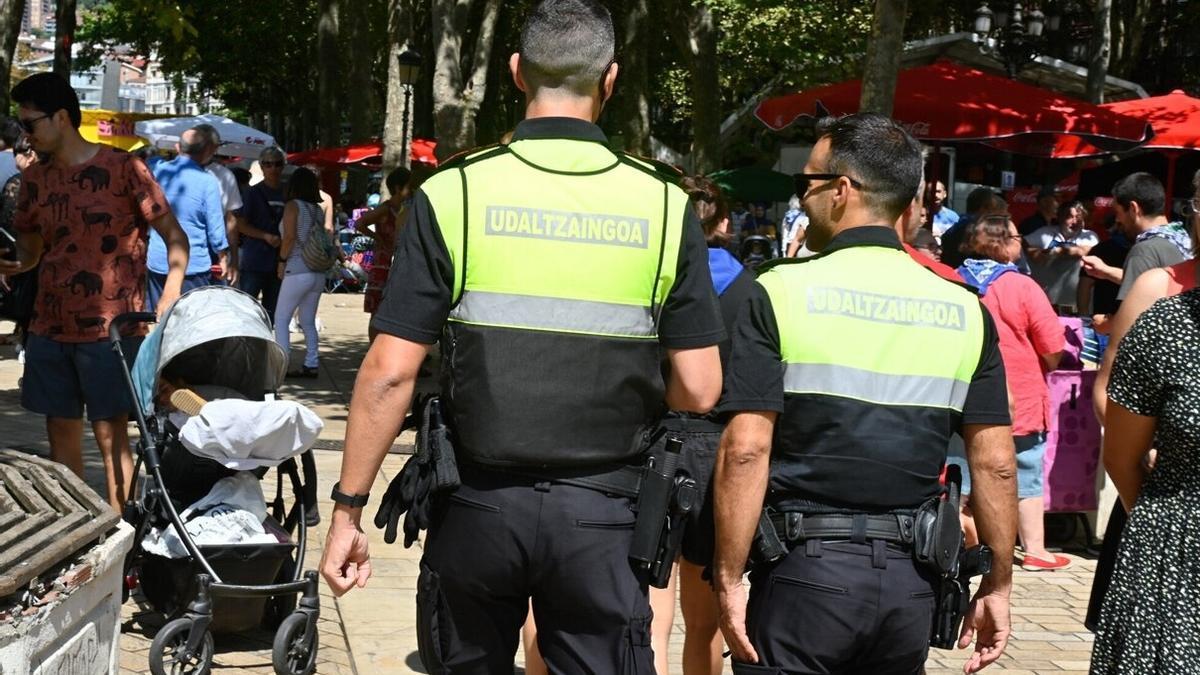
(560, 273)
(849, 372)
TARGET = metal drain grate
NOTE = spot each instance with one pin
(47, 513)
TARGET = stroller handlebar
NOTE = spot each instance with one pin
(114, 327)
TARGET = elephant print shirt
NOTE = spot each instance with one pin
(93, 219)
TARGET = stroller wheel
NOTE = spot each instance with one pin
(294, 651)
(169, 654)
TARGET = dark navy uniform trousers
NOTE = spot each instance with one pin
(840, 607)
(500, 540)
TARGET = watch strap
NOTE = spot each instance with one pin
(353, 501)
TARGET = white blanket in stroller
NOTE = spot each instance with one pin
(233, 513)
(246, 435)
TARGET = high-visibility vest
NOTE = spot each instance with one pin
(877, 357)
(563, 255)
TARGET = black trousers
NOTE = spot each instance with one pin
(500, 540)
(840, 608)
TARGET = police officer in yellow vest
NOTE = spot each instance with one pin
(557, 275)
(848, 374)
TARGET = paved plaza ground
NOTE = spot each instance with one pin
(372, 631)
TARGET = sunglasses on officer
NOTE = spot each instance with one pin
(804, 181)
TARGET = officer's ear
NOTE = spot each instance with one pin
(514, 66)
(609, 82)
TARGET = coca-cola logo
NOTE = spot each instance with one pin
(917, 129)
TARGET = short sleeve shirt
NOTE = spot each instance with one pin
(754, 379)
(419, 290)
(93, 219)
(1059, 274)
(1028, 329)
(1145, 255)
(231, 195)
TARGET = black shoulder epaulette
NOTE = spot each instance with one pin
(467, 157)
(779, 262)
(659, 169)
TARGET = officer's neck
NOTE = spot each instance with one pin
(582, 108)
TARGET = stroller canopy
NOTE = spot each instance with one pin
(212, 335)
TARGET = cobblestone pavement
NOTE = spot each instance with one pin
(372, 631)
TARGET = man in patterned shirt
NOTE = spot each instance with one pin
(83, 215)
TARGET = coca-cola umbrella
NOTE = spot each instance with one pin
(369, 155)
(1175, 118)
(948, 102)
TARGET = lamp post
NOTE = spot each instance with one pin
(409, 63)
(1017, 34)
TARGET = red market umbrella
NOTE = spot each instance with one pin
(1175, 118)
(368, 154)
(949, 102)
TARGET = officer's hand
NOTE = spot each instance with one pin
(733, 622)
(346, 562)
(987, 621)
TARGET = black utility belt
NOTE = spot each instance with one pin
(622, 480)
(794, 527)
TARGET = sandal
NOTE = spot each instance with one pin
(1032, 564)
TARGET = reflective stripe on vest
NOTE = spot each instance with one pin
(590, 250)
(554, 314)
(867, 323)
(874, 387)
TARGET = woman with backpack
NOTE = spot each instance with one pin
(306, 254)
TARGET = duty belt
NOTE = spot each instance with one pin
(794, 527)
(622, 480)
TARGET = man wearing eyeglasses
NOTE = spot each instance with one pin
(848, 373)
(258, 260)
(82, 218)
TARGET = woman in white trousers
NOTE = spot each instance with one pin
(300, 287)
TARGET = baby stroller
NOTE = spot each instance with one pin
(756, 250)
(215, 336)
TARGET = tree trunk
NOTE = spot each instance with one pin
(632, 104)
(359, 91)
(399, 31)
(457, 90)
(1099, 50)
(328, 91)
(695, 34)
(64, 36)
(11, 12)
(883, 56)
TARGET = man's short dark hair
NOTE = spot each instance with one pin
(979, 199)
(1142, 188)
(878, 153)
(49, 93)
(567, 45)
(10, 132)
(396, 179)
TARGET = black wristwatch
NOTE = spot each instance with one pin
(353, 501)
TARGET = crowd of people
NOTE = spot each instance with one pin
(92, 232)
(797, 402)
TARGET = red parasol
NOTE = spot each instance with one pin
(368, 154)
(1175, 118)
(948, 102)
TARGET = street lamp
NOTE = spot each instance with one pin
(409, 64)
(1016, 34)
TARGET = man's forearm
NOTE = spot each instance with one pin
(376, 412)
(247, 230)
(739, 485)
(993, 464)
